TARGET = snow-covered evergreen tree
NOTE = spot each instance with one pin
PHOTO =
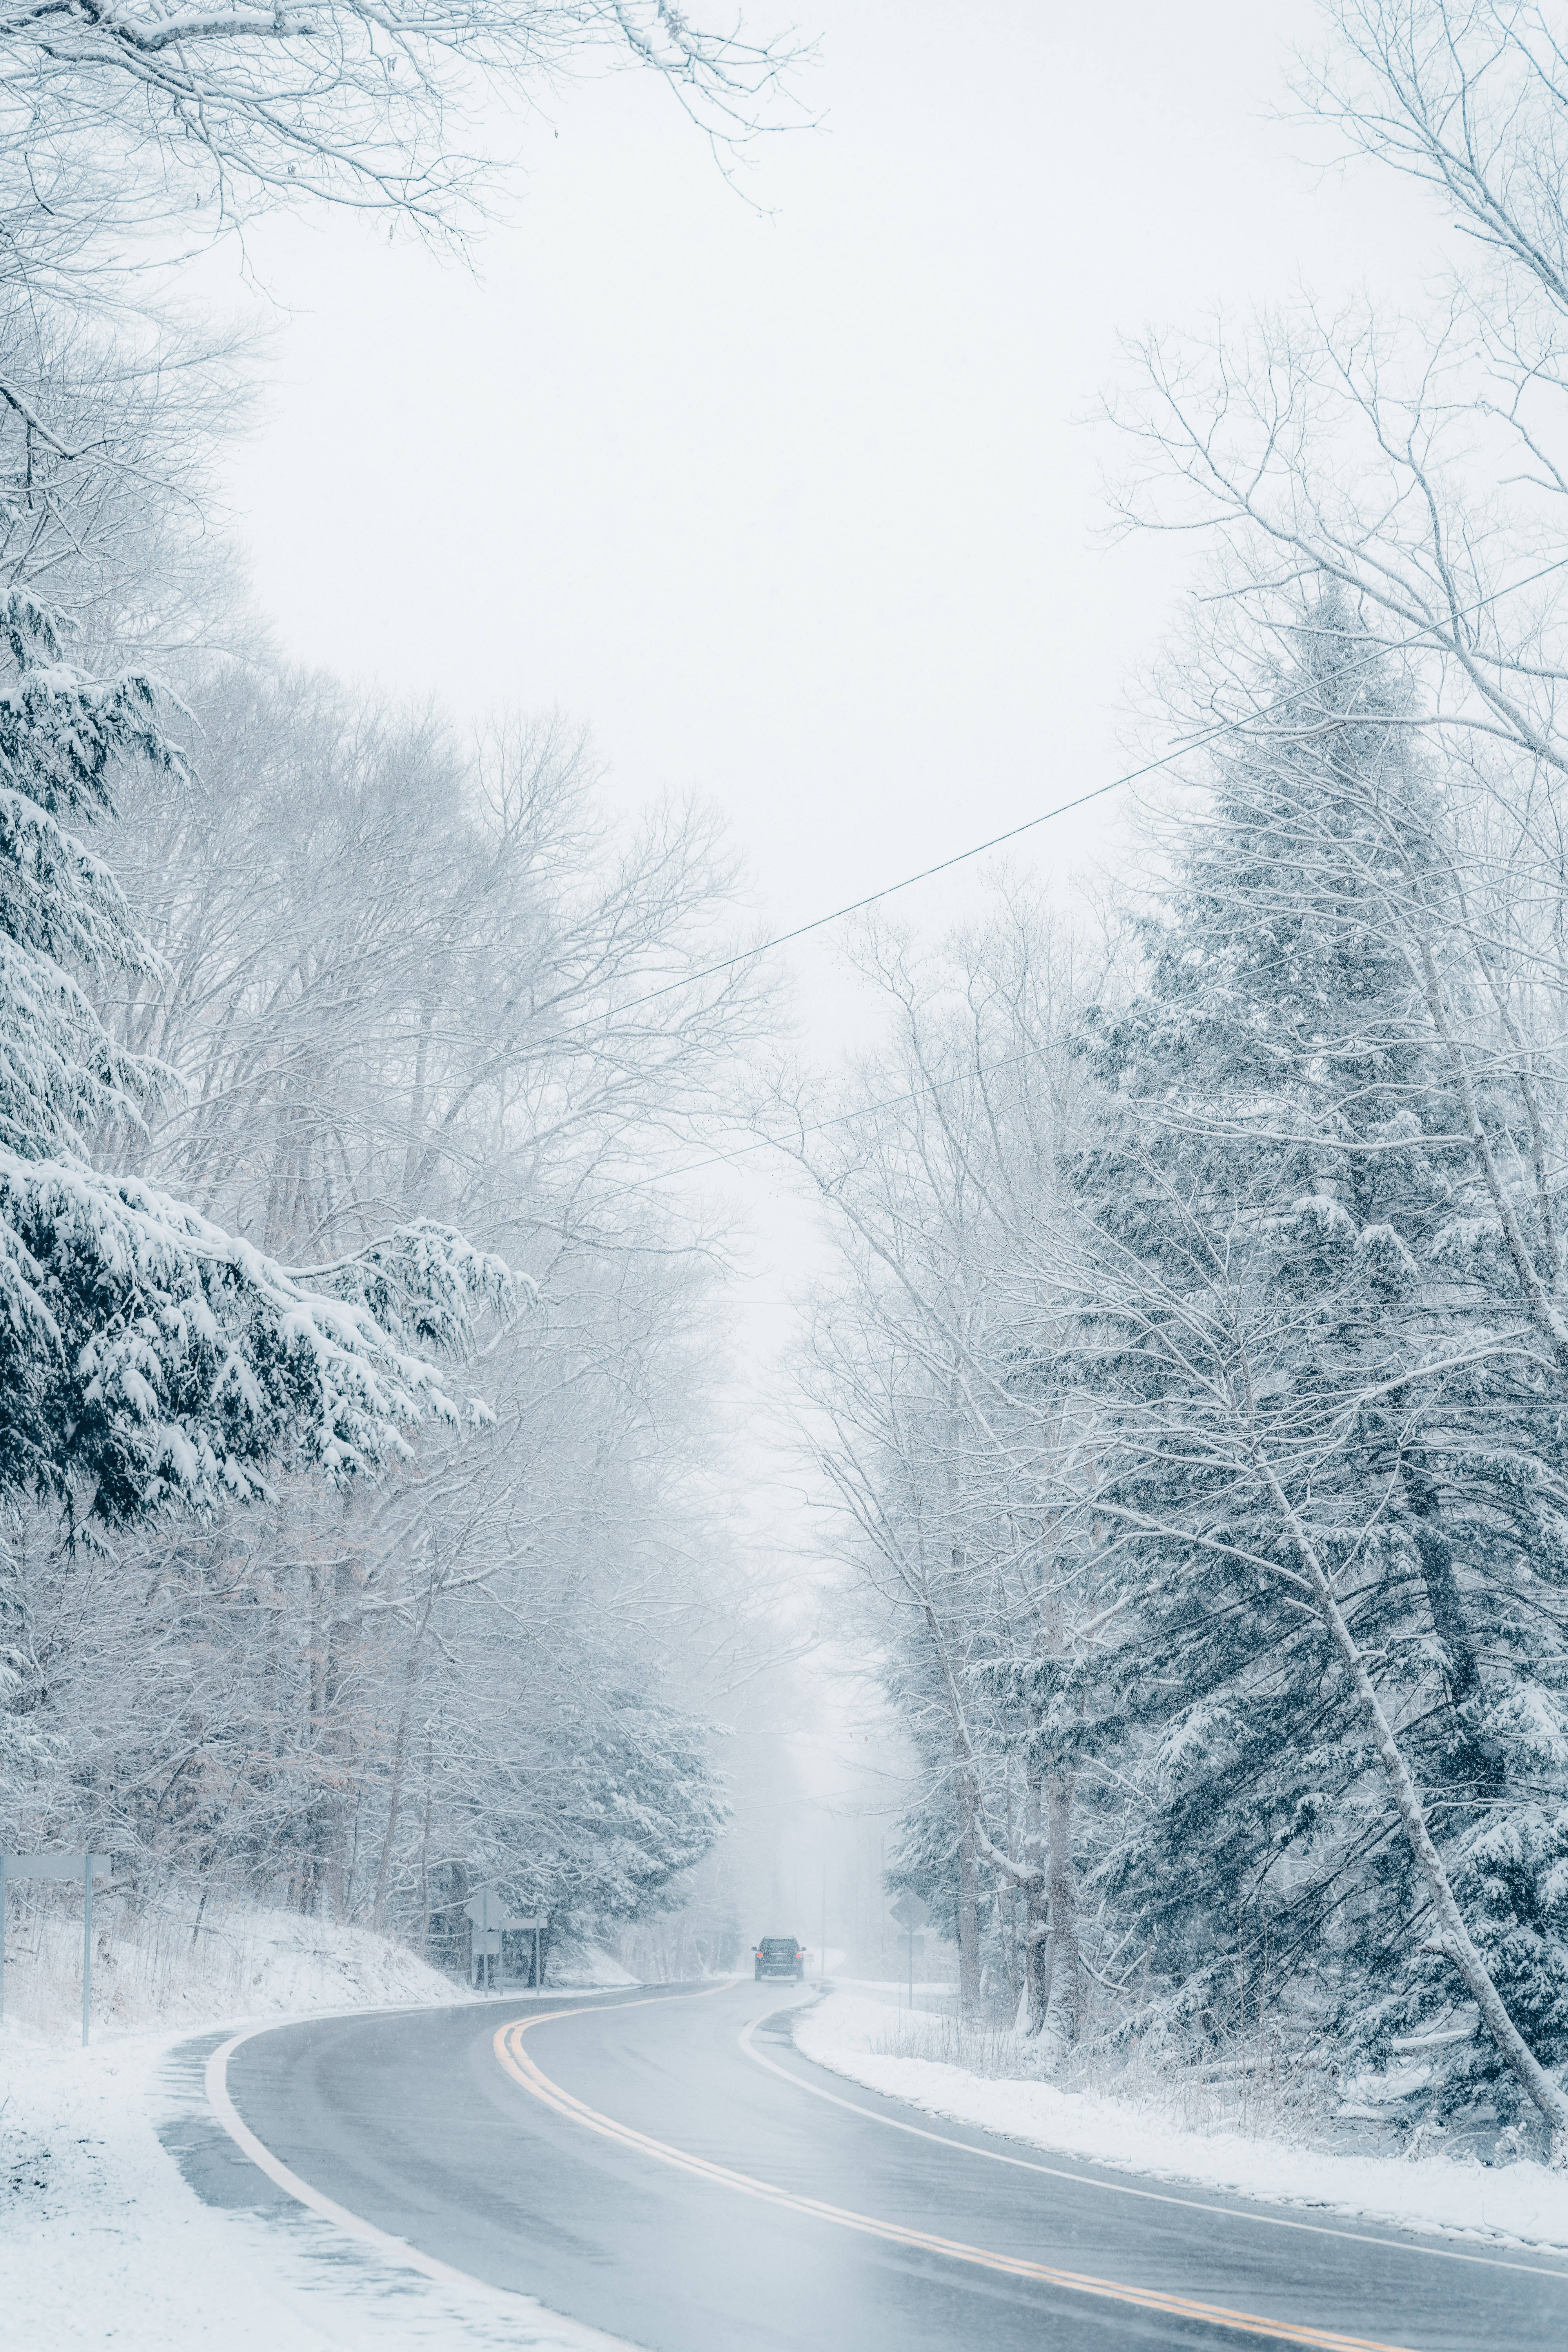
(603, 1828)
(1314, 1338)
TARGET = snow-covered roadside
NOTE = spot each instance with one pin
(167, 1968)
(587, 1967)
(1521, 2203)
(103, 2242)
(158, 1972)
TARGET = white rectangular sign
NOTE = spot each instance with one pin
(84, 1868)
(53, 1866)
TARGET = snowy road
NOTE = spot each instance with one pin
(669, 2169)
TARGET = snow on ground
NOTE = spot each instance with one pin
(866, 2040)
(587, 1967)
(169, 1968)
(103, 2242)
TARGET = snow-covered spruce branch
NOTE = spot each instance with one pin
(151, 1358)
(1030, 1877)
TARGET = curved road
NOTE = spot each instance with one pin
(667, 2167)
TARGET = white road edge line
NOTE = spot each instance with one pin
(393, 2249)
(1122, 2188)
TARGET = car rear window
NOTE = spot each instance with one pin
(774, 1945)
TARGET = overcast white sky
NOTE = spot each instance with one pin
(795, 507)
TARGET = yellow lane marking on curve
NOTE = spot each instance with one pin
(560, 2330)
(511, 2055)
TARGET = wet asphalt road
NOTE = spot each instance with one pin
(411, 2122)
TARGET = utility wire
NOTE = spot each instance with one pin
(998, 840)
(894, 1102)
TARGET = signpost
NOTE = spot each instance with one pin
(534, 1928)
(911, 1915)
(486, 1910)
(85, 1866)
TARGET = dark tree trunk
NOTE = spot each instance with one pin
(968, 1886)
(1063, 2019)
(1469, 1757)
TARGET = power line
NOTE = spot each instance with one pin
(935, 1086)
(1063, 808)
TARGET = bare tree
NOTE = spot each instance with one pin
(137, 116)
(938, 1425)
(394, 976)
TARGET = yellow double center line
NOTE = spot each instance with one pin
(509, 2049)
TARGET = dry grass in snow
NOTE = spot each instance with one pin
(162, 1965)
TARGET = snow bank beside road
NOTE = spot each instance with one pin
(166, 1969)
(176, 1966)
(1521, 2203)
(587, 1967)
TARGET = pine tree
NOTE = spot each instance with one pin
(1312, 1337)
(605, 1827)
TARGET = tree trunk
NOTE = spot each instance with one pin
(1472, 1761)
(394, 1795)
(1063, 2019)
(1038, 1954)
(315, 1844)
(1012, 1944)
(968, 1886)
(1037, 2001)
(393, 1805)
(424, 1852)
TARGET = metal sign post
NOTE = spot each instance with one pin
(484, 1944)
(911, 1913)
(85, 1866)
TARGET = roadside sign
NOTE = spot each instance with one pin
(53, 1866)
(488, 1913)
(85, 1866)
(912, 1916)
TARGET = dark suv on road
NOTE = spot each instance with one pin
(780, 1956)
